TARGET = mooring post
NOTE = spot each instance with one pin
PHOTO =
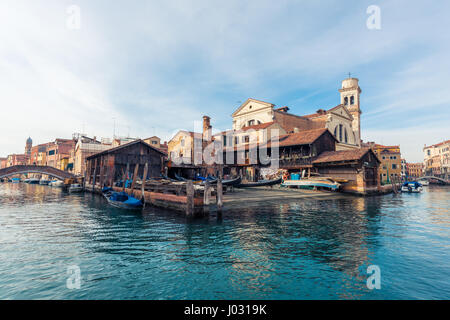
(102, 170)
(136, 170)
(207, 196)
(189, 199)
(125, 177)
(219, 194)
(144, 179)
(95, 175)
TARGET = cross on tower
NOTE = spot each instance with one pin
(349, 75)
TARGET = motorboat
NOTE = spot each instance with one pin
(424, 182)
(15, 180)
(56, 184)
(33, 181)
(76, 187)
(123, 201)
(412, 187)
(261, 183)
(44, 182)
(313, 182)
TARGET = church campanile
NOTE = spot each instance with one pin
(350, 98)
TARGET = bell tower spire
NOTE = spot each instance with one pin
(350, 98)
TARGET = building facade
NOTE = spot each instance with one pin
(414, 170)
(437, 160)
(390, 161)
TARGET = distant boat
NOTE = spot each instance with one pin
(412, 187)
(313, 182)
(122, 200)
(33, 181)
(261, 183)
(56, 184)
(76, 187)
(44, 182)
(15, 180)
(27, 180)
(424, 182)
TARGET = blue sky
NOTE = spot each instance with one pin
(158, 66)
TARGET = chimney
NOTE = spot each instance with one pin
(321, 111)
(206, 128)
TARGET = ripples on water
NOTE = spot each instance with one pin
(305, 249)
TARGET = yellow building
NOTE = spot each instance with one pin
(391, 163)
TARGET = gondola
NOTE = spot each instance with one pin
(122, 200)
(229, 182)
(262, 183)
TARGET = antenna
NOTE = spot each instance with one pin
(114, 128)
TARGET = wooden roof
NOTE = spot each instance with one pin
(126, 145)
(343, 155)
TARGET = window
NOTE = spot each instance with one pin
(346, 101)
(154, 142)
(236, 140)
(335, 132)
(346, 136)
(251, 122)
(247, 139)
(352, 100)
(182, 142)
(340, 132)
(224, 141)
(394, 166)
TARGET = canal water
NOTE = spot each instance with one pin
(305, 249)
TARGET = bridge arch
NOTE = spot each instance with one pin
(435, 178)
(24, 169)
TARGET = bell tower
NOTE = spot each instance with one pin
(350, 98)
(28, 146)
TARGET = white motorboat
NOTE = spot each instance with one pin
(56, 184)
(412, 187)
(43, 182)
(313, 182)
(424, 182)
(75, 188)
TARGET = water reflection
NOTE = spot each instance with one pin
(299, 249)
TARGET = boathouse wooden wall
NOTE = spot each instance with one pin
(111, 165)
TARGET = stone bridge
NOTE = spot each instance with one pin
(23, 169)
(435, 178)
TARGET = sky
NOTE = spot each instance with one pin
(144, 68)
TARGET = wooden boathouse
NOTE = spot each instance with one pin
(140, 162)
(124, 162)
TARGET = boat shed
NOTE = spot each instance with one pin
(356, 170)
(128, 161)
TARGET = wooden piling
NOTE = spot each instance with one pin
(136, 170)
(190, 199)
(95, 174)
(144, 179)
(219, 194)
(207, 196)
(125, 177)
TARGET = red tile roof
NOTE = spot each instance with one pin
(302, 137)
(258, 126)
(343, 155)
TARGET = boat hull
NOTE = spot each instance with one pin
(311, 184)
(263, 183)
